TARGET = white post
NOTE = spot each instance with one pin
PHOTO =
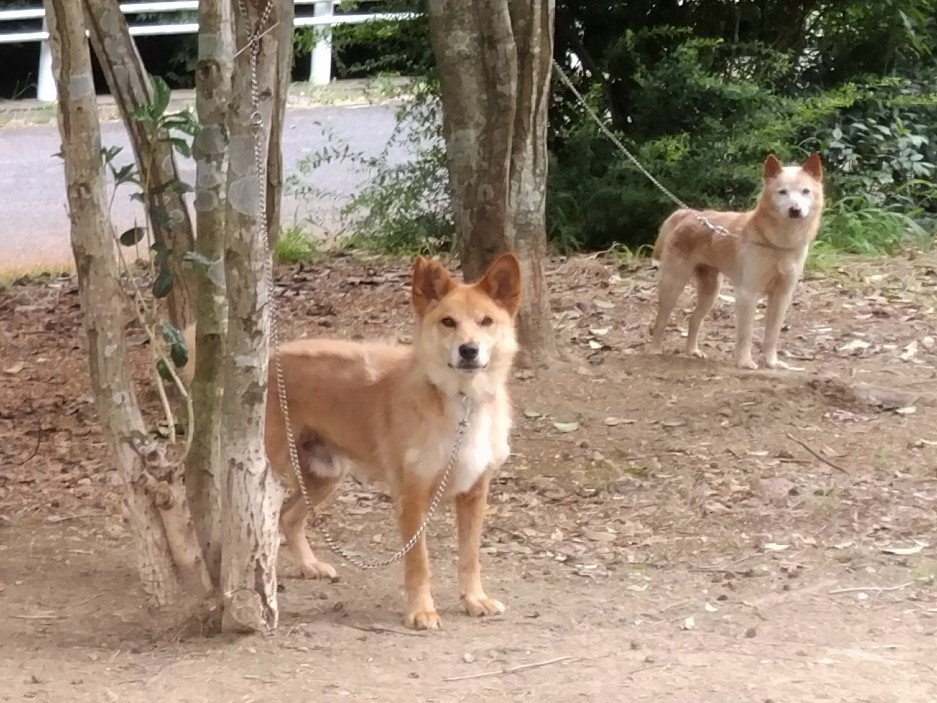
(45, 81)
(320, 72)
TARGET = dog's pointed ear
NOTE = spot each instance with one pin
(814, 166)
(431, 283)
(772, 167)
(502, 282)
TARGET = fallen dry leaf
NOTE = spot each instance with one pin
(904, 551)
(773, 547)
(612, 421)
(598, 535)
(566, 426)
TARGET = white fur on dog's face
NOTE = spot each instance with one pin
(793, 192)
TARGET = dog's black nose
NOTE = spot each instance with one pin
(468, 352)
(795, 211)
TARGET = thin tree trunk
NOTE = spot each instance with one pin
(280, 95)
(533, 32)
(131, 87)
(252, 494)
(169, 558)
(493, 58)
(213, 90)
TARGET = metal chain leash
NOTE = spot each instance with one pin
(434, 503)
(254, 46)
(621, 147)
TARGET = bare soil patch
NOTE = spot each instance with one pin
(667, 529)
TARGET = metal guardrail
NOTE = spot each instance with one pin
(320, 72)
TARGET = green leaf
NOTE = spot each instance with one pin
(163, 370)
(163, 284)
(125, 174)
(142, 113)
(161, 217)
(160, 254)
(132, 236)
(161, 95)
(180, 145)
(178, 351)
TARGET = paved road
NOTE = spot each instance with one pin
(34, 227)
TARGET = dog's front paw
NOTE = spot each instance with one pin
(319, 570)
(698, 353)
(423, 620)
(746, 363)
(480, 606)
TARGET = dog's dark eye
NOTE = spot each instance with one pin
(486, 321)
(448, 322)
(783, 191)
(806, 191)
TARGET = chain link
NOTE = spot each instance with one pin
(719, 229)
(434, 503)
(257, 125)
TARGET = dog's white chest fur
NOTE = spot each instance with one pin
(484, 447)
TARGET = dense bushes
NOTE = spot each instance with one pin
(700, 93)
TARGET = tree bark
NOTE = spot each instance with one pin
(281, 92)
(131, 87)
(210, 149)
(252, 494)
(168, 553)
(494, 60)
(533, 32)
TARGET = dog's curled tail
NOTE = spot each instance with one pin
(670, 224)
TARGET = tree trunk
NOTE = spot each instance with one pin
(210, 149)
(533, 33)
(169, 558)
(252, 494)
(131, 87)
(280, 95)
(494, 61)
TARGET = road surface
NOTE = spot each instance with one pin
(34, 226)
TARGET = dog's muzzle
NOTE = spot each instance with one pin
(469, 358)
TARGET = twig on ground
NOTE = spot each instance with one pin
(877, 589)
(816, 454)
(55, 519)
(377, 629)
(510, 670)
(45, 616)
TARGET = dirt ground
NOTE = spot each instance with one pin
(667, 529)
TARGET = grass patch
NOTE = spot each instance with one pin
(295, 247)
(9, 275)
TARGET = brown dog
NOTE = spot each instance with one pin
(762, 252)
(390, 415)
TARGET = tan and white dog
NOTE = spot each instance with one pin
(390, 415)
(763, 254)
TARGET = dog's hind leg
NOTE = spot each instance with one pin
(673, 279)
(321, 478)
(708, 283)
